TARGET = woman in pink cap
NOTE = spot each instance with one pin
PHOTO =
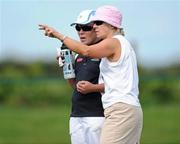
(118, 68)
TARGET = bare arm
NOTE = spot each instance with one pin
(105, 48)
(87, 87)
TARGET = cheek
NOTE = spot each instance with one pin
(93, 34)
(101, 34)
(104, 29)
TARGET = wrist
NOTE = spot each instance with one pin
(63, 38)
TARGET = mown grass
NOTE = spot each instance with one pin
(161, 125)
(34, 125)
(49, 125)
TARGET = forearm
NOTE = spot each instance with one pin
(105, 48)
(76, 46)
(98, 88)
(72, 44)
(87, 87)
(100, 50)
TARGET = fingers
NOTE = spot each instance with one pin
(60, 56)
(48, 31)
(42, 27)
(57, 57)
(82, 83)
(45, 28)
(79, 87)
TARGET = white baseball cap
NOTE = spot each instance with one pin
(84, 17)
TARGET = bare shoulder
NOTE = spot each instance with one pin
(110, 42)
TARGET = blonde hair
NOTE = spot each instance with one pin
(119, 31)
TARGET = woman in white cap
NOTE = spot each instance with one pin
(87, 116)
(118, 68)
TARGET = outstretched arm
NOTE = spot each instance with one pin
(105, 48)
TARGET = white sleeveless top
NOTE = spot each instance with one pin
(120, 77)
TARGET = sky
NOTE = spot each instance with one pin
(152, 27)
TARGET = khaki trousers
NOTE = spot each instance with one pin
(123, 124)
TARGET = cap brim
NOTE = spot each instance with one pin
(104, 20)
(79, 23)
(73, 24)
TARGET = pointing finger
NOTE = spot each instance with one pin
(42, 27)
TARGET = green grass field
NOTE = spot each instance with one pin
(49, 125)
(161, 125)
(34, 125)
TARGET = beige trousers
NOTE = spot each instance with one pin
(123, 124)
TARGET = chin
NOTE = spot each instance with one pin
(99, 37)
(85, 42)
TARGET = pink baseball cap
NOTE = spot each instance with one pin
(108, 14)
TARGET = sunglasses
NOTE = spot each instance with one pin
(83, 27)
(98, 23)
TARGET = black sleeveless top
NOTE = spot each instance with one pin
(86, 105)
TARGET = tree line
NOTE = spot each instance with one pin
(42, 84)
